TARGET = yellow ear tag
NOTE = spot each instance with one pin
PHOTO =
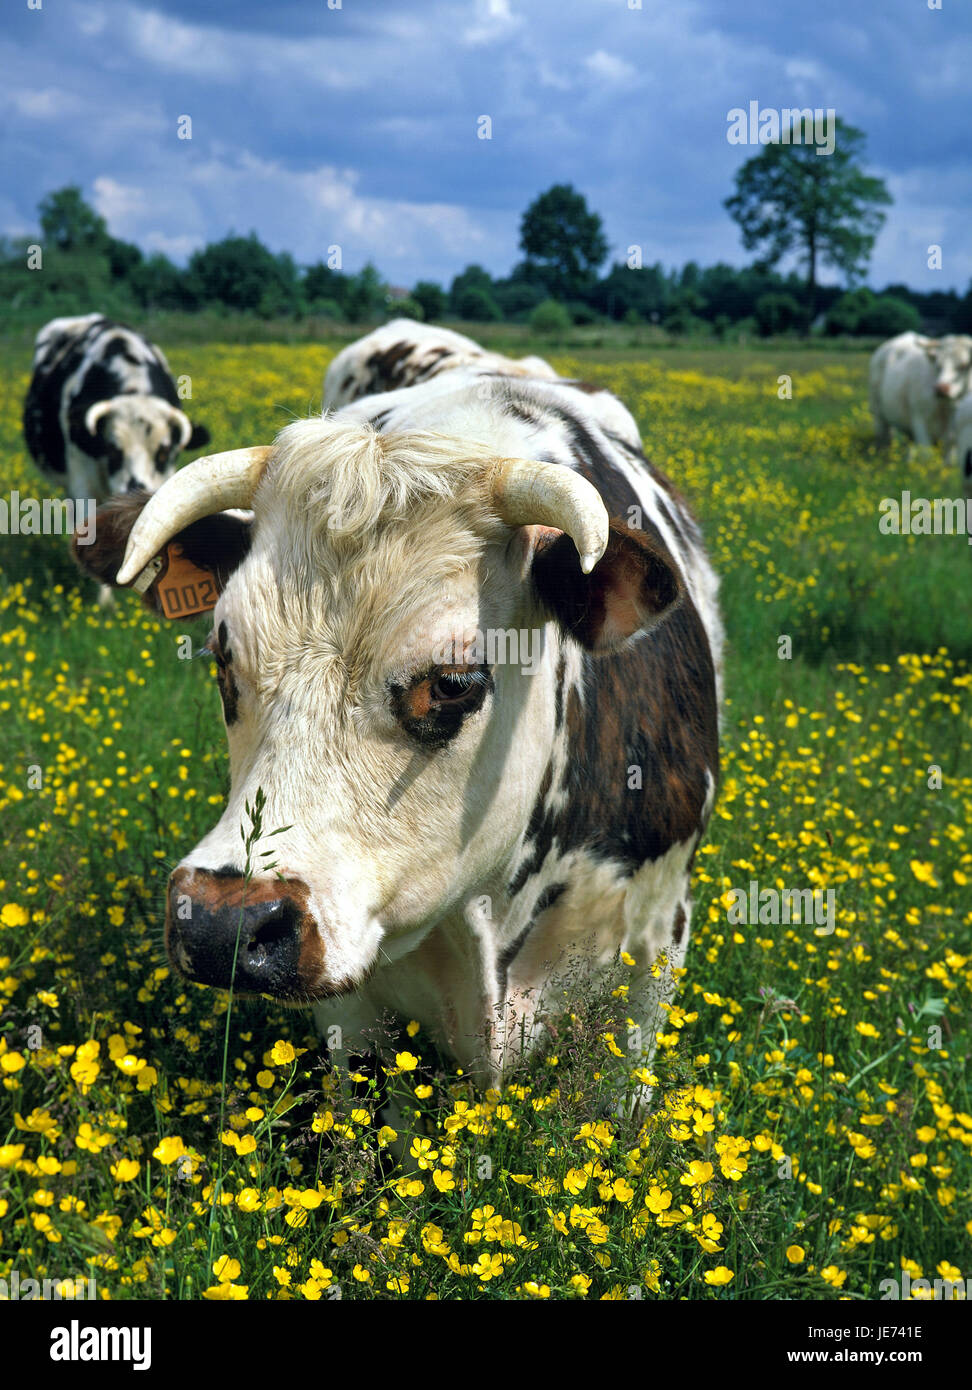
(184, 590)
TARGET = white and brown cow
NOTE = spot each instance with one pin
(469, 820)
(403, 353)
(102, 415)
(914, 384)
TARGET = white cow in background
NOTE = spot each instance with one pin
(914, 385)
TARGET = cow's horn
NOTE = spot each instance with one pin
(203, 487)
(528, 493)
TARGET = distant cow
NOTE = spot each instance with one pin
(914, 385)
(469, 650)
(102, 416)
(404, 353)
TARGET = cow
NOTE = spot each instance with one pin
(102, 416)
(469, 652)
(403, 353)
(914, 384)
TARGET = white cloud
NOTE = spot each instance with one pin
(300, 211)
(610, 69)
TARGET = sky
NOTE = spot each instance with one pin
(355, 123)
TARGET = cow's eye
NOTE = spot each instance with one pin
(433, 707)
(452, 686)
(161, 455)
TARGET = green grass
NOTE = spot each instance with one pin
(800, 1067)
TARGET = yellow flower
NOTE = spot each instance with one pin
(125, 1169)
(282, 1053)
(227, 1293)
(170, 1149)
(795, 1254)
(719, 1276)
(13, 915)
(226, 1269)
(406, 1061)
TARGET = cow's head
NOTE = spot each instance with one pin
(140, 439)
(402, 756)
(951, 357)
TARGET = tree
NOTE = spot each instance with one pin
(365, 295)
(563, 241)
(68, 223)
(432, 298)
(243, 274)
(863, 312)
(777, 313)
(322, 284)
(550, 318)
(790, 197)
(478, 306)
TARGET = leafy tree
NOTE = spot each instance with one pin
(432, 298)
(408, 308)
(550, 318)
(789, 197)
(321, 283)
(863, 312)
(68, 223)
(477, 305)
(474, 277)
(563, 241)
(517, 295)
(243, 274)
(645, 292)
(364, 295)
(158, 284)
(777, 313)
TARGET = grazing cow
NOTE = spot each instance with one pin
(102, 415)
(469, 649)
(914, 384)
(403, 353)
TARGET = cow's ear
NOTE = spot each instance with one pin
(631, 588)
(199, 438)
(214, 545)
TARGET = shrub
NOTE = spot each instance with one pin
(550, 317)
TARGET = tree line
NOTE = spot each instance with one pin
(787, 200)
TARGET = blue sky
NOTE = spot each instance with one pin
(357, 126)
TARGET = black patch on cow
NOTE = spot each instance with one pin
(430, 723)
(546, 900)
(651, 704)
(388, 368)
(678, 925)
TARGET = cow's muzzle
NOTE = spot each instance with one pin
(257, 937)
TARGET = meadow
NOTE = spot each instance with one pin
(812, 1125)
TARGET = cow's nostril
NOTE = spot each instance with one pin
(273, 935)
